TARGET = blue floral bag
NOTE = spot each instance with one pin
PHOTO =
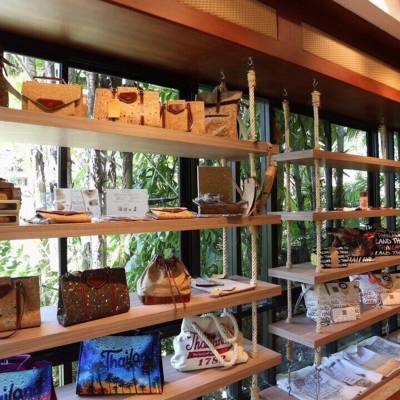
(20, 378)
(120, 365)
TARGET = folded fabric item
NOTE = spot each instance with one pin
(304, 386)
(222, 287)
(382, 346)
(59, 217)
(365, 358)
(350, 374)
(171, 213)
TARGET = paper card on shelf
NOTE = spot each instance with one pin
(86, 200)
(127, 203)
(223, 287)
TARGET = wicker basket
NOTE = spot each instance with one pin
(139, 107)
(220, 208)
(181, 115)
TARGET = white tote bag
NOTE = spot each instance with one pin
(208, 342)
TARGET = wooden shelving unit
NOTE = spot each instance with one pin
(51, 334)
(302, 330)
(332, 215)
(338, 160)
(20, 126)
(305, 272)
(31, 231)
(381, 391)
(190, 385)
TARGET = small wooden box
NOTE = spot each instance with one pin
(9, 212)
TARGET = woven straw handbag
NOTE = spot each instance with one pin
(128, 105)
(165, 281)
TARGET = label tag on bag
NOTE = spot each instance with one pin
(114, 109)
(344, 314)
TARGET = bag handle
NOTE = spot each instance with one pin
(49, 78)
(232, 340)
(96, 283)
(16, 363)
(20, 294)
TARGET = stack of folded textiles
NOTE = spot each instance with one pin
(347, 374)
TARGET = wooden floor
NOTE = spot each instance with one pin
(190, 385)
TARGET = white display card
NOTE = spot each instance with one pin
(127, 203)
(82, 200)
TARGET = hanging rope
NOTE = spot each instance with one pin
(225, 257)
(286, 114)
(251, 79)
(383, 136)
(315, 97)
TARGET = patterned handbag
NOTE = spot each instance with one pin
(379, 289)
(334, 297)
(387, 243)
(92, 294)
(208, 342)
(361, 243)
(20, 378)
(19, 304)
(115, 365)
(332, 257)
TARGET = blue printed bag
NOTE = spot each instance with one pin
(120, 365)
(20, 378)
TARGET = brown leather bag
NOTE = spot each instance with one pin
(19, 304)
(92, 294)
(165, 282)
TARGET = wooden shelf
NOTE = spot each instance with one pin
(331, 215)
(51, 334)
(48, 129)
(305, 272)
(381, 391)
(190, 385)
(31, 231)
(302, 329)
(338, 160)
